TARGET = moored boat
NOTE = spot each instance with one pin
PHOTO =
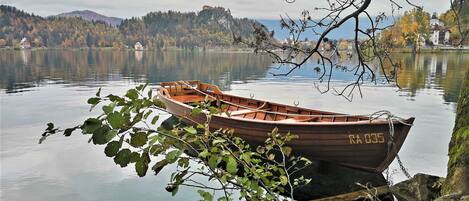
(358, 141)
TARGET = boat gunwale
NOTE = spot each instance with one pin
(339, 123)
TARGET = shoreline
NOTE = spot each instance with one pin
(198, 49)
(431, 50)
(233, 49)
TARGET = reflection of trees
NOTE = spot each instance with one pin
(439, 71)
(454, 77)
(104, 65)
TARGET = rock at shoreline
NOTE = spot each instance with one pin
(421, 187)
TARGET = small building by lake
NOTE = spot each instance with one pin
(25, 44)
(138, 46)
(439, 34)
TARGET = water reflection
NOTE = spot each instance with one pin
(433, 71)
(444, 71)
(20, 70)
(138, 56)
(26, 56)
(58, 84)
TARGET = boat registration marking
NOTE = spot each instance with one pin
(368, 138)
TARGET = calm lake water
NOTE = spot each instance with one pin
(37, 87)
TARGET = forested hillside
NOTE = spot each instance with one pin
(211, 27)
(89, 15)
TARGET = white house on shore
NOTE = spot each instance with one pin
(138, 46)
(439, 34)
(25, 44)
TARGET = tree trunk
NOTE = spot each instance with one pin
(457, 180)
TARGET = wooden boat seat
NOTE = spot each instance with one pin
(241, 112)
(189, 98)
(299, 119)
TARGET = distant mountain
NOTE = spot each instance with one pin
(89, 15)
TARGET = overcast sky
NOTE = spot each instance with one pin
(258, 9)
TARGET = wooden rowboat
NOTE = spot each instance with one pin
(355, 141)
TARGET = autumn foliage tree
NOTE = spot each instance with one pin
(414, 26)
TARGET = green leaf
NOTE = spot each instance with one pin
(132, 94)
(141, 166)
(307, 161)
(110, 134)
(260, 149)
(246, 157)
(287, 150)
(50, 126)
(138, 139)
(112, 148)
(213, 161)
(173, 155)
(183, 162)
(196, 111)
(159, 166)
(178, 177)
(218, 141)
(90, 125)
(116, 120)
(114, 98)
(69, 131)
(99, 92)
(283, 180)
(156, 150)
(134, 157)
(150, 93)
(191, 130)
(271, 157)
(206, 195)
(123, 157)
(94, 100)
(137, 118)
(159, 103)
(214, 110)
(275, 131)
(109, 108)
(175, 190)
(147, 114)
(141, 87)
(204, 153)
(99, 135)
(224, 198)
(231, 165)
(155, 118)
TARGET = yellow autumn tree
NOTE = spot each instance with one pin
(392, 37)
(414, 26)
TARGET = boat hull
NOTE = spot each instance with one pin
(365, 145)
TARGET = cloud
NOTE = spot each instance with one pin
(258, 9)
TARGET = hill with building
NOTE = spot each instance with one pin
(210, 27)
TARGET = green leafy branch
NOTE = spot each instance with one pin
(129, 128)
